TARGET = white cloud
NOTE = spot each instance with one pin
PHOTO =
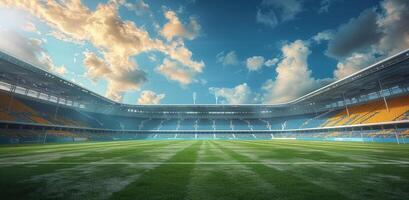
(352, 64)
(177, 51)
(150, 97)
(29, 50)
(227, 59)
(118, 81)
(61, 36)
(293, 75)
(394, 23)
(139, 7)
(355, 36)
(323, 36)
(174, 70)
(115, 39)
(96, 67)
(255, 63)
(369, 37)
(30, 27)
(47, 63)
(241, 94)
(174, 27)
(271, 62)
(325, 5)
(273, 12)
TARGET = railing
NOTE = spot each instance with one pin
(372, 126)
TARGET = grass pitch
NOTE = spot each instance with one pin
(205, 170)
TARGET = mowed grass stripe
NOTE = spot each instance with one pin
(359, 181)
(362, 181)
(12, 177)
(378, 156)
(52, 148)
(164, 181)
(224, 169)
(36, 156)
(286, 184)
(292, 154)
(234, 181)
(100, 181)
(67, 157)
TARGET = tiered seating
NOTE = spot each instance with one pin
(187, 124)
(150, 124)
(5, 116)
(125, 123)
(373, 112)
(240, 125)
(294, 122)
(359, 114)
(317, 120)
(297, 122)
(405, 116)
(18, 110)
(23, 110)
(31, 111)
(222, 124)
(169, 124)
(205, 124)
(405, 133)
(259, 124)
(397, 108)
(382, 134)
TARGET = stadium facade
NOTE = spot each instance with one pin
(369, 105)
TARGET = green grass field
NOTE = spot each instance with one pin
(205, 170)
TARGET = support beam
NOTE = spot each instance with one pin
(12, 90)
(45, 136)
(380, 94)
(362, 136)
(345, 104)
(396, 134)
(56, 112)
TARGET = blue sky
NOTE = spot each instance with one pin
(238, 52)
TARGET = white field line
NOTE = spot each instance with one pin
(313, 146)
(367, 145)
(208, 163)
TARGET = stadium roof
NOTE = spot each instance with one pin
(390, 72)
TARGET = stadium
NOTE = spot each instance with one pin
(368, 106)
(71, 70)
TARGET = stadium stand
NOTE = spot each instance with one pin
(373, 112)
(355, 108)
